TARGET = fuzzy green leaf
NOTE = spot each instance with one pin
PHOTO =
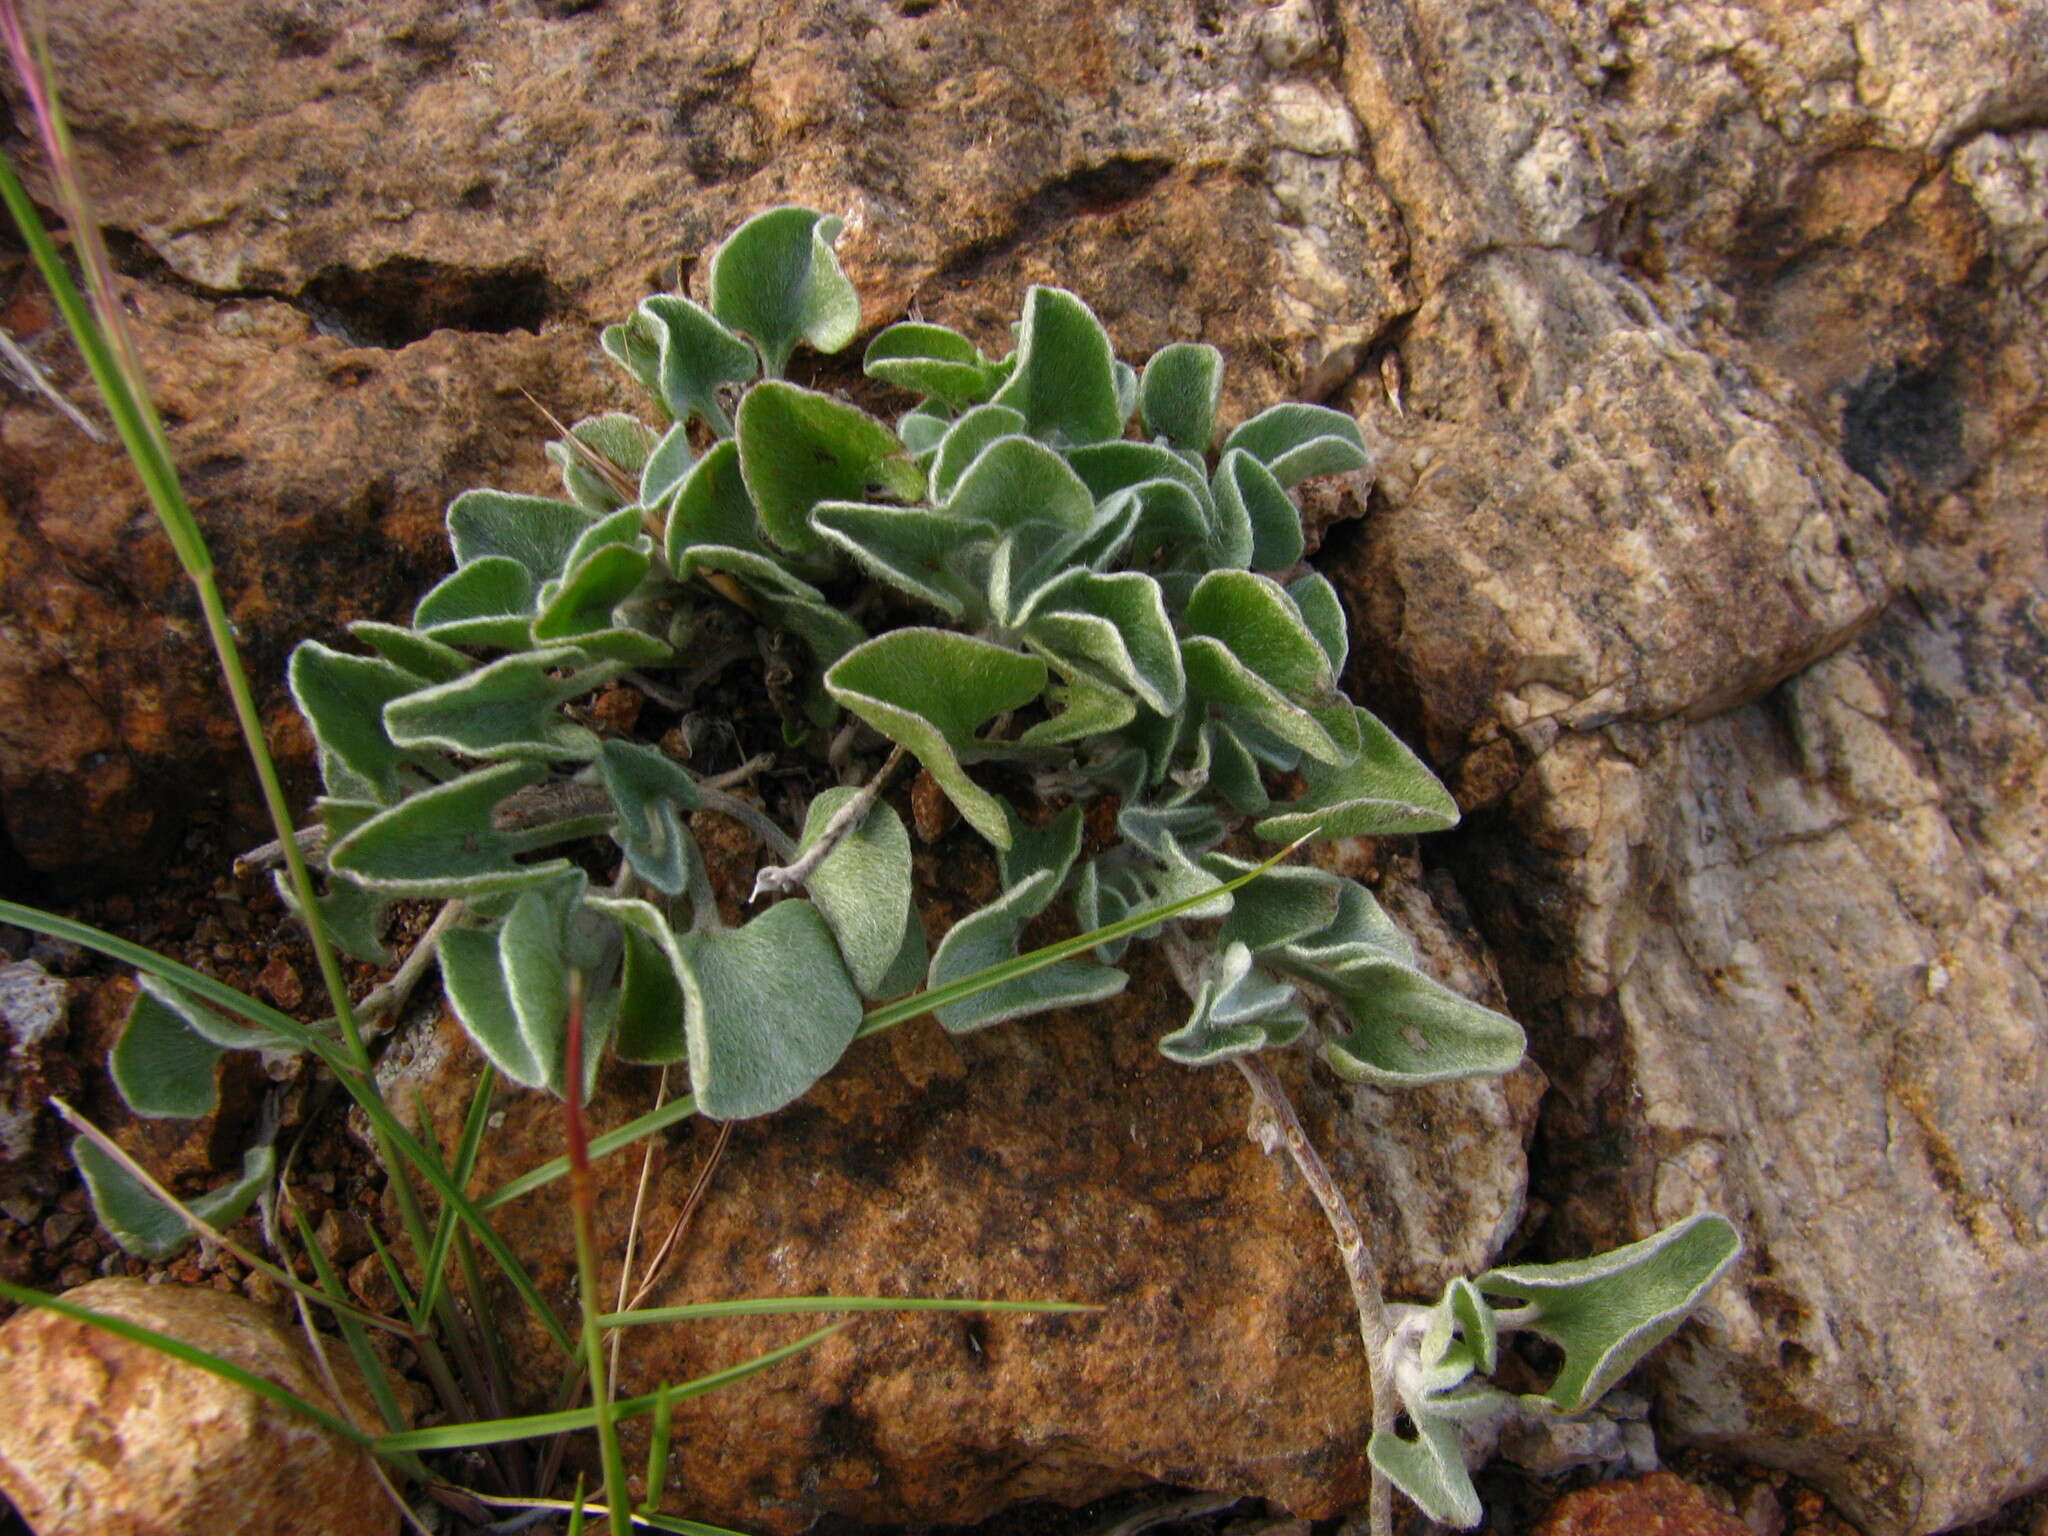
(1178, 394)
(351, 917)
(163, 1067)
(1052, 847)
(930, 689)
(1081, 708)
(862, 888)
(798, 448)
(1257, 620)
(1258, 524)
(511, 987)
(1233, 772)
(583, 604)
(910, 548)
(1064, 379)
(144, 1225)
(652, 795)
(776, 280)
(426, 658)
(651, 998)
(964, 441)
(1323, 612)
(1361, 929)
(509, 709)
(489, 601)
(1382, 790)
(617, 439)
(1282, 906)
(1015, 481)
(771, 1010)
(931, 360)
(694, 354)
(990, 937)
(1238, 1008)
(474, 978)
(1430, 1470)
(667, 466)
(343, 699)
(1296, 441)
(535, 531)
(922, 430)
(1608, 1311)
(1407, 1028)
(1215, 673)
(1116, 624)
(441, 842)
(712, 506)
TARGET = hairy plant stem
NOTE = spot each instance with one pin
(779, 879)
(1360, 1267)
(1375, 1331)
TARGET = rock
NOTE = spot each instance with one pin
(114, 1438)
(1787, 961)
(1661, 1504)
(1059, 1159)
(34, 1006)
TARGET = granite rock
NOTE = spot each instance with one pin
(107, 1436)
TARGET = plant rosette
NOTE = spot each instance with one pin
(1057, 583)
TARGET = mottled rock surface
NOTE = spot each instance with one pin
(1704, 349)
(1657, 1505)
(104, 1436)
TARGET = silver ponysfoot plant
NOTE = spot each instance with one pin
(1045, 582)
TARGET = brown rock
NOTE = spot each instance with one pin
(1661, 1504)
(113, 1438)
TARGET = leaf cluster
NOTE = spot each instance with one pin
(1058, 583)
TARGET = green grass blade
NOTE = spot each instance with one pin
(367, 1364)
(445, 1224)
(193, 1356)
(131, 415)
(671, 1113)
(777, 1306)
(450, 1437)
(212, 1234)
(891, 1014)
(390, 1132)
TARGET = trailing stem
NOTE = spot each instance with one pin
(1360, 1267)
